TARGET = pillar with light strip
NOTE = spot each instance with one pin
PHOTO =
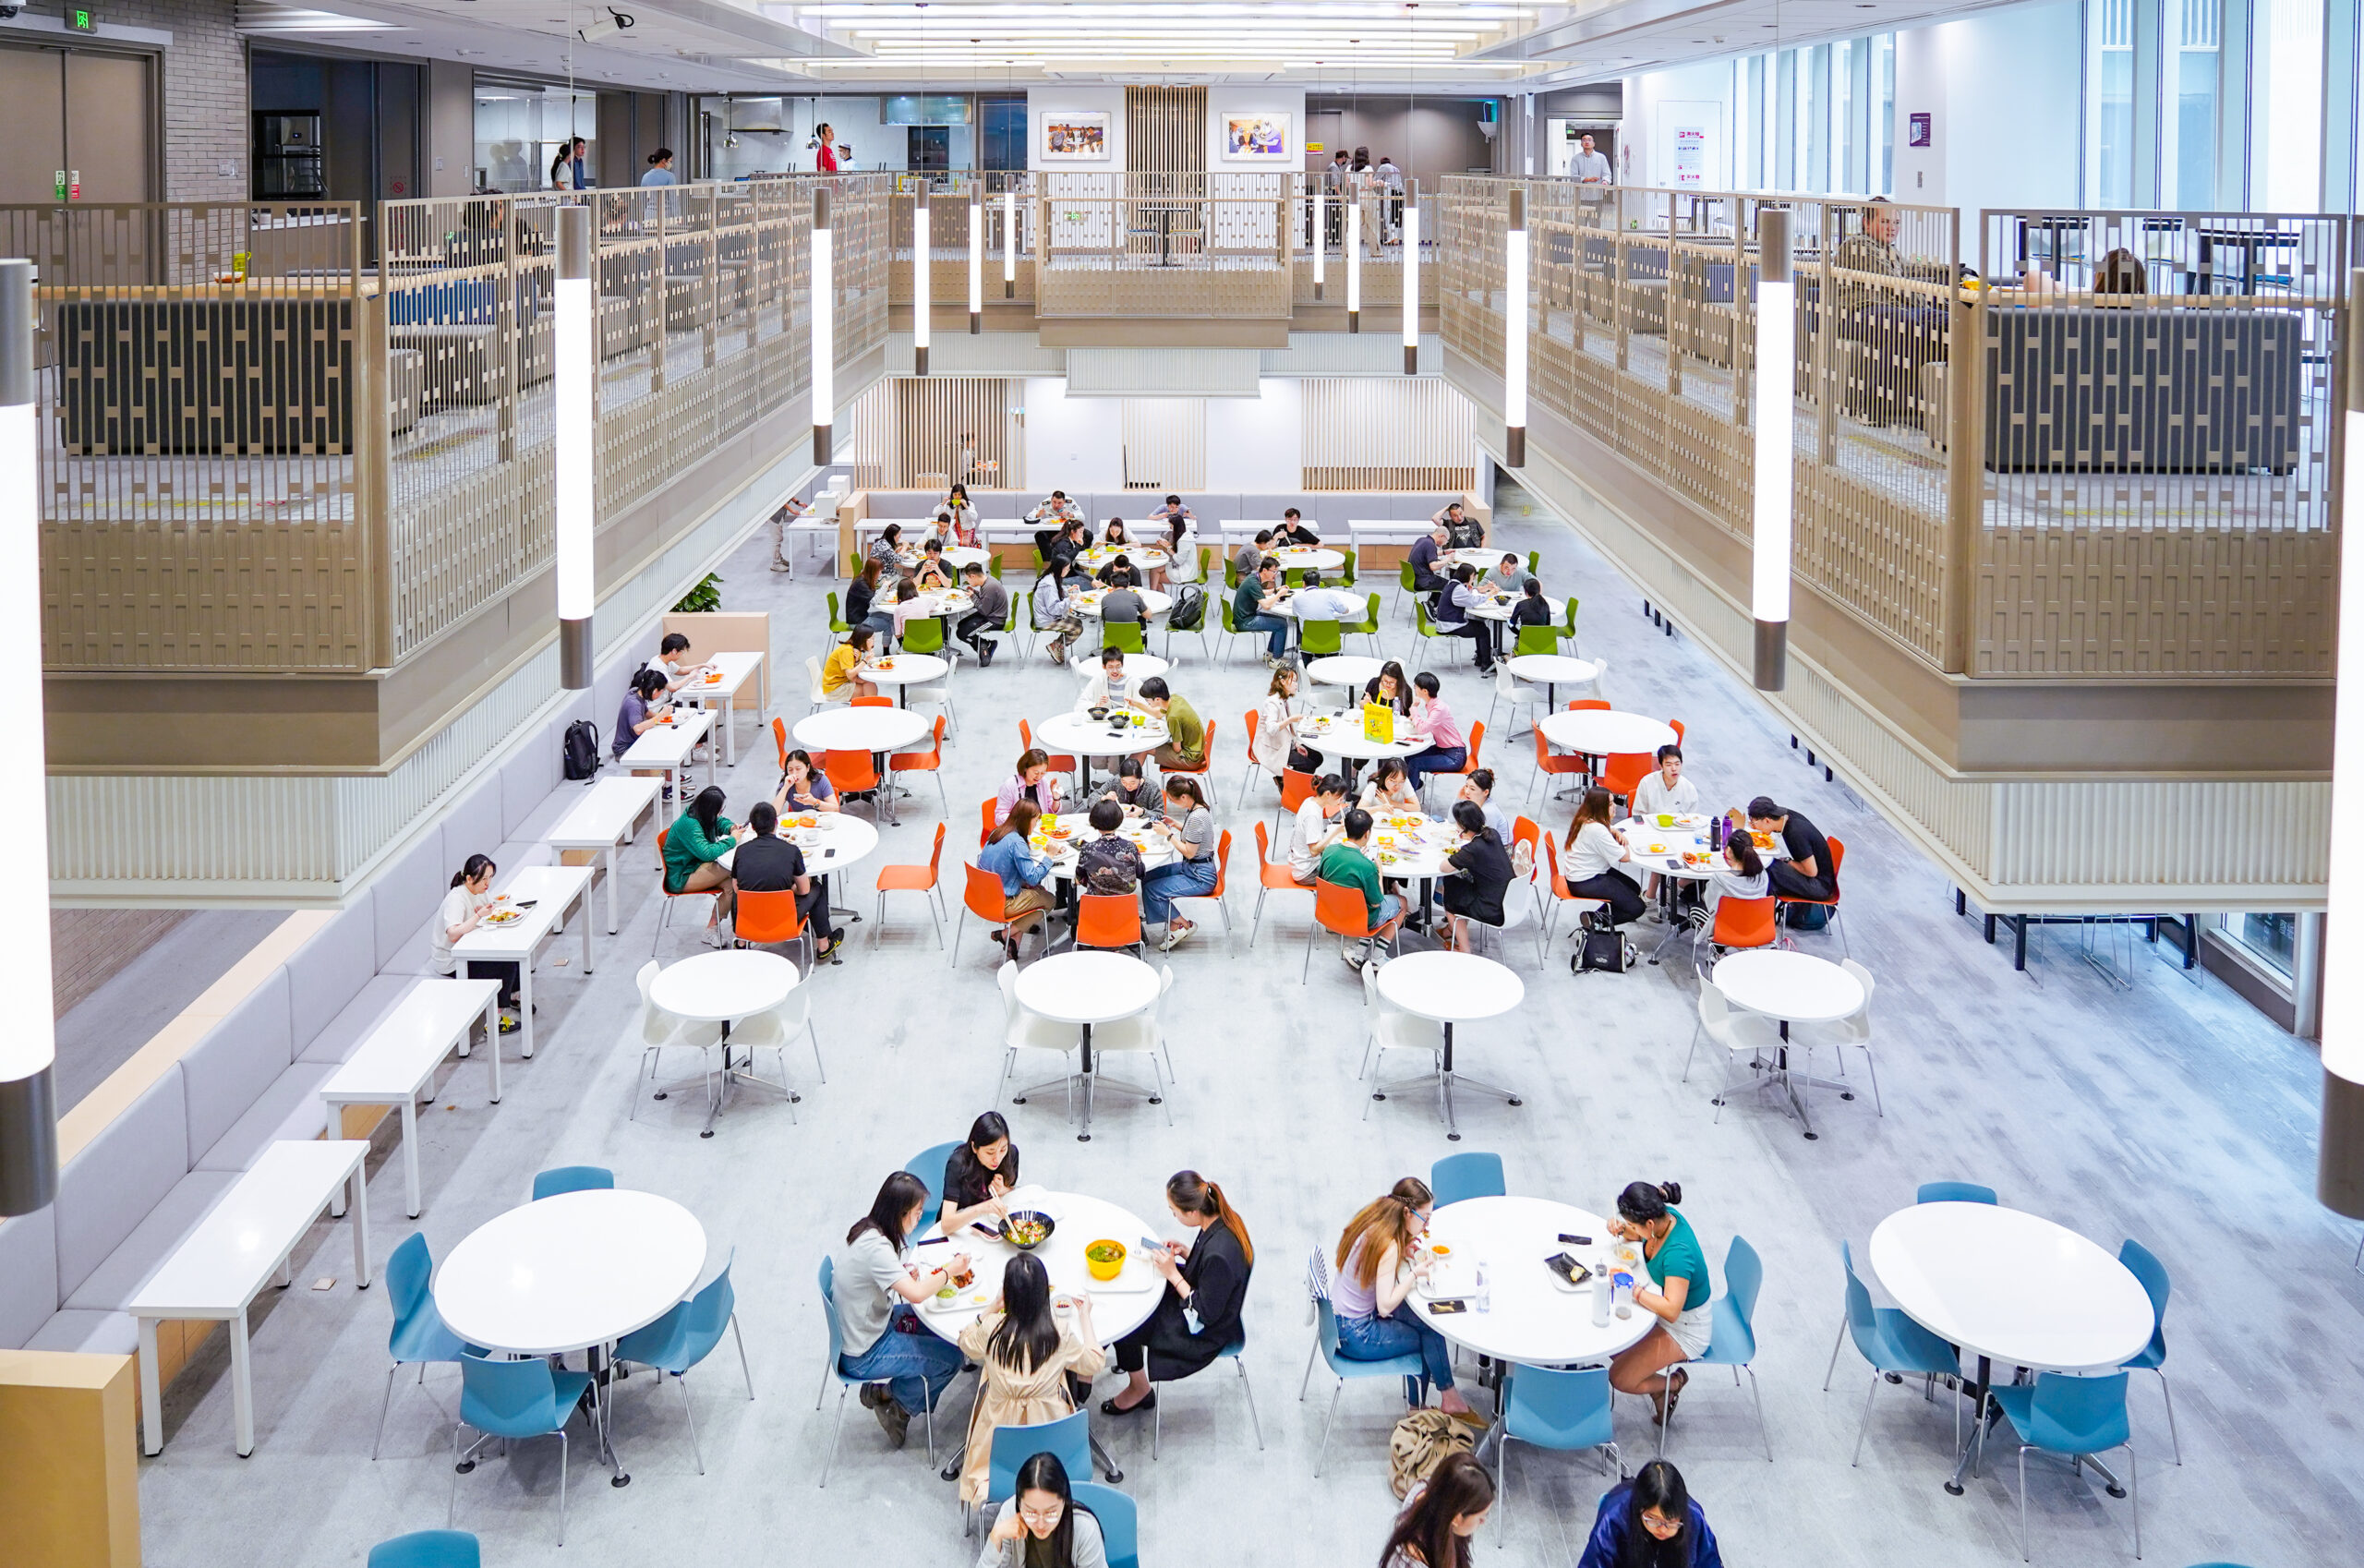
(1514, 313)
(976, 260)
(1353, 231)
(29, 1046)
(824, 326)
(1321, 245)
(1010, 244)
(923, 241)
(1411, 237)
(574, 440)
(1775, 350)
(2339, 1161)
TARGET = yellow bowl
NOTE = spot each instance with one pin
(1108, 1269)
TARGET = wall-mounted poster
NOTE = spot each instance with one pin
(1257, 137)
(1075, 137)
(1690, 156)
(1916, 129)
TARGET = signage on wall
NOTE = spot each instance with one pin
(1691, 155)
(70, 184)
(1916, 129)
(80, 20)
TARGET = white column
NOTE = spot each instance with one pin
(574, 438)
(1411, 285)
(1773, 406)
(1353, 234)
(2339, 1172)
(923, 300)
(1010, 244)
(976, 260)
(824, 326)
(1321, 243)
(1515, 309)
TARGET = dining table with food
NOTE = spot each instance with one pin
(1062, 837)
(1341, 735)
(1099, 731)
(1148, 558)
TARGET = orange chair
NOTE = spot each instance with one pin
(852, 773)
(1561, 894)
(919, 878)
(1248, 781)
(1338, 908)
(780, 739)
(1621, 772)
(769, 920)
(1064, 762)
(1223, 884)
(985, 820)
(1269, 877)
(929, 761)
(1470, 764)
(981, 897)
(1838, 856)
(667, 916)
(873, 702)
(1296, 788)
(1205, 761)
(1547, 765)
(1108, 919)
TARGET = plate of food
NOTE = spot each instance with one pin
(504, 917)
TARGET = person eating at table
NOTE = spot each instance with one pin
(1042, 1526)
(803, 787)
(1185, 750)
(1254, 607)
(1448, 749)
(1477, 789)
(887, 550)
(1131, 787)
(1123, 604)
(981, 1171)
(1388, 791)
(1427, 551)
(463, 909)
(675, 663)
(1196, 1316)
(1740, 875)
(644, 709)
(1107, 687)
(1054, 610)
(1675, 1294)
(1274, 747)
(934, 573)
(1294, 530)
(1114, 536)
(1107, 863)
(1348, 863)
(1025, 874)
(1032, 780)
(1171, 509)
(1479, 873)
(963, 515)
(1380, 1256)
(1443, 1515)
(988, 611)
(1807, 872)
(1189, 829)
(1068, 551)
(1026, 1351)
(1315, 602)
(1052, 508)
(1595, 849)
(913, 602)
(1664, 788)
(1507, 576)
(765, 863)
(862, 607)
(1652, 1519)
(1391, 686)
(1457, 616)
(878, 1281)
(842, 668)
(1251, 554)
(694, 846)
(1532, 608)
(1317, 825)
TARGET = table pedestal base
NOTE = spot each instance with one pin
(1446, 1081)
(744, 1075)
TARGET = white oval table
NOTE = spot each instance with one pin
(904, 671)
(1791, 988)
(1085, 737)
(1605, 731)
(1531, 1319)
(1551, 670)
(575, 1271)
(1153, 604)
(878, 730)
(1084, 989)
(1351, 670)
(1449, 989)
(1156, 851)
(723, 988)
(1304, 558)
(959, 558)
(2014, 1288)
(1500, 609)
(1341, 736)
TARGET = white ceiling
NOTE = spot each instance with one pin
(1466, 46)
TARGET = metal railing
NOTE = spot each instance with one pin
(363, 457)
(2076, 471)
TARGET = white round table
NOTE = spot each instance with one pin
(1149, 558)
(1550, 670)
(1500, 609)
(1085, 737)
(1605, 731)
(1084, 989)
(1302, 557)
(1138, 667)
(1118, 1306)
(1479, 556)
(1341, 735)
(874, 730)
(1792, 988)
(905, 670)
(1531, 1319)
(943, 606)
(957, 557)
(1155, 850)
(2013, 1288)
(1449, 989)
(725, 987)
(1350, 670)
(1291, 601)
(837, 841)
(1153, 604)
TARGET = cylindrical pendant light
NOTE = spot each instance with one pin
(1010, 244)
(574, 439)
(824, 326)
(1775, 350)
(1353, 236)
(29, 1046)
(1321, 248)
(1412, 286)
(1514, 337)
(922, 301)
(2339, 1169)
(976, 260)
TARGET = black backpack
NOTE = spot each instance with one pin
(1603, 948)
(1189, 611)
(582, 749)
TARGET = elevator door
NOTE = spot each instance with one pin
(84, 111)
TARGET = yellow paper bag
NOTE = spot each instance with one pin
(1379, 722)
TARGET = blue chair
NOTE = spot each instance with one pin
(1119, 1523)
(2147, 1267)
(419, 1336)
(1891, 1343)
(928, 1165)
(1457, 1176)
(1409, 1366)
(1732, 1340)
(427, 1548)
(1232, 1352)
(1548, 1409)
(571, 1178)
(1954, 1192)
(511, 1400)
(687, 1335)
(1069, 1438)
(2061, 1413)
(847, 1382)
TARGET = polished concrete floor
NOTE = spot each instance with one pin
(2173, 1113)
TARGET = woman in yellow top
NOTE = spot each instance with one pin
(1025, 1354)
(847, 657)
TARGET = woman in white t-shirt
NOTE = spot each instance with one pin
(1594, 851)
(1318, 824)
(463, 909)
(1182, 544)
(1389, 790)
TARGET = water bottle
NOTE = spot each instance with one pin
(1484, 1301)
(1622, 1289)
(1601, 1298)
(1716, 832)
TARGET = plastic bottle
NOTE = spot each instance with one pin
(1601, 1298)
(1484, 1301)
(1621, 1289)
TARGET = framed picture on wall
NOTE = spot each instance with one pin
(1073, 137)
(1257, 139)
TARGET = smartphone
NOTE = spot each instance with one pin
(931, 1241)
(1150, 1245)
(1576, 1241)
(1453, 1304)
(527, 903)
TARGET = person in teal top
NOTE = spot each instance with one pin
(694, 846)
(1349, 864)
(1676, 1294)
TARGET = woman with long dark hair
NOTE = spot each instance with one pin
(1651, 1522)
(463, 909)
(980, 1173)
(1042, 1526)
(1442, 1516)
(903, 1366)
(1206, 1281)
(1675, 1294)
(1026, 1350)
(1391, 686)
(694, 846)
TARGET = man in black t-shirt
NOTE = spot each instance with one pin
(1807, 872)
(769, 864)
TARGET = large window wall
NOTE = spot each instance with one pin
(1819, 118)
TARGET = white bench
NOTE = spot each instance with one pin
(394, 1064)
(604, 820)
(222, 1266)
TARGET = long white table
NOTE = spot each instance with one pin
(734, 665)
(393, 1065)
(553, 891)
(603, 820)
(667, 747)
(222, 1266)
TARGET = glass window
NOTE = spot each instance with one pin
(2272, 939)
(1884, 115)
(2189, 131)
(1843, 139)
(519, 130)
(1786, 170)
(2109, 102)
(2287, 126)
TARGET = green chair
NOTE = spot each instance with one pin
(1231, 572)
(1534, 559)
(1124, 634)
(853, 562)
(1299, 576)
(1367, 627)
(1537, 640)
(1566, 630)
(1206, 561)
(993, 567)
(1403, 583)
(1320, 639)
(924, 634)
(838, 627)
(1347, 573)
(1424, 628)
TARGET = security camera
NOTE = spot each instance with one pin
(617, 22)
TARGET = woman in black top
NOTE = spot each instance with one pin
(1391, 685)
(1532, 608)
(1206, 1280)
(860, 593)
(980, 1173)
(1486, 874)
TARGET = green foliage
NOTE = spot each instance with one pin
(706, 595)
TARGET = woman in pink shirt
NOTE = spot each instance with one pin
(1448, 748)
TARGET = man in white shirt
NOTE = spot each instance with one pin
(1666, 789)
(1108, 687)
(1591, 171)
(1054, 508)
(1315, 828)
(1314, 602)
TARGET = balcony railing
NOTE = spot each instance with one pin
(260, 454)
(2115, 455)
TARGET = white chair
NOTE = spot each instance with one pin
(1025, 1030)
(1389, 1028)
(939, 693)
(1509, 688)
(773, 1031)
(1854, 1029)
(1599, 677)
(820, 698)
(1144, 1034)
(1740, 1034)
(661, 1031)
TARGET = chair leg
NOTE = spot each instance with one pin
(1763, 1431)
(1156, 1429)
(836, 1427)
(1319, 1452)
(1831, 1370)
(562, 1447)
(1249, 1388)
(2170, 1398)
(1865, 1425)
(2023, 1504)
(389, 1404)
(1305, 970)
(813, 1035)
(452, 1509)
(1312, 1351)
(690, 1416)
(745, 1370)
(1692, 1051)
(959, 924)
(1872, 1060)
(2134, 1497)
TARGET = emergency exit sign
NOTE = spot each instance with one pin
(80, 20)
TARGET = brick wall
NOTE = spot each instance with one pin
(205, 91)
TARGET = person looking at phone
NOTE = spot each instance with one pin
(1196, 1316)
(1653, 1519)
(1380, 1256)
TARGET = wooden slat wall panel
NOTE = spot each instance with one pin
(869, 424)
(1165, 442)
(932, 413)
(1359, 428)
(1165, 128)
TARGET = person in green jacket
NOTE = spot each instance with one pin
(1186, 747)
(694, 846)
(1350, 865)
